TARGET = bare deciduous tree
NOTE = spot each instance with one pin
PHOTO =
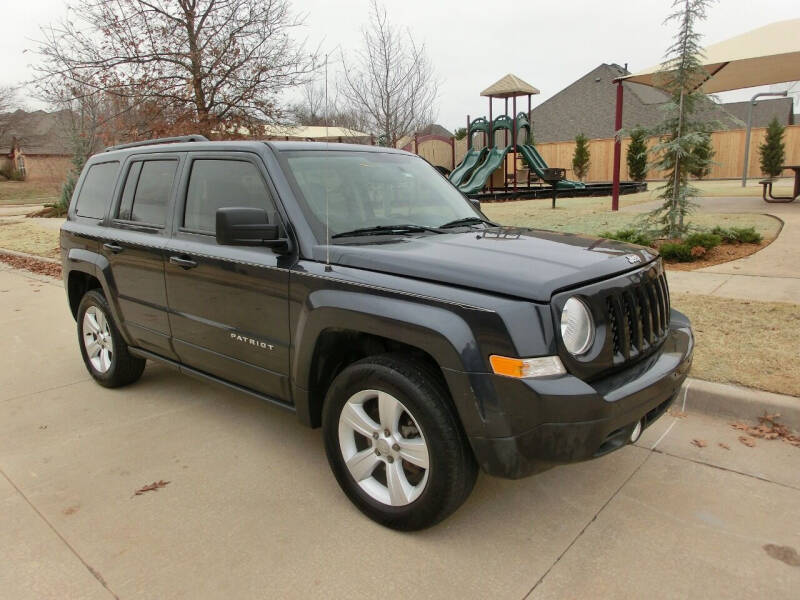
(213, 63)
(8, 103)
(314, 110)
(392, 81)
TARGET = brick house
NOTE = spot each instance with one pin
(35, 144)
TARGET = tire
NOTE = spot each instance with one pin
(386, 478)
(104, 352)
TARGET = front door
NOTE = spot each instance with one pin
(135, 247)
(228, 304)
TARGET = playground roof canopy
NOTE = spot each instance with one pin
(769, 54)
(508, 87)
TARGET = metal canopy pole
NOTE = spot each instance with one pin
(515, 141)
(749, 125)
(490, 139)
(530, 134)
(617, 148)
(505, 145)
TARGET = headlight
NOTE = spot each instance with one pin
(577, 326)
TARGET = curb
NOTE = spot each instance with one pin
(32, 256)
(731, 401)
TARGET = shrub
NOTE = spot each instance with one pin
(637, 154)
(701, 157)
(631, 236)
(580, 158)
(772, 150)
(741, 235)
(676, 251)
(706, 240)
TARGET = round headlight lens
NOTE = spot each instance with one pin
(577, 327)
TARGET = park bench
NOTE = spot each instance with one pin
(766, 186)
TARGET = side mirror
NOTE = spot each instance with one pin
(475, 203)
(240, 226)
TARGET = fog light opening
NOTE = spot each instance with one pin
(637, 431)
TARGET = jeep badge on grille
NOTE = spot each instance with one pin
(633, 258)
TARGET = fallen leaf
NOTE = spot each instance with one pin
(153, 487)
(700, 443)
(747, 441)
(721, 445)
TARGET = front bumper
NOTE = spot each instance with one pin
(575, 420)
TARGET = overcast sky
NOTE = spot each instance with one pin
(472, 44)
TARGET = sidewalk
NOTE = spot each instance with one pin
(770, 275)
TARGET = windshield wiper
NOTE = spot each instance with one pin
(465, 221)
(378, 229)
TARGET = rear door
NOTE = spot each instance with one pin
(228, 304)
(137, 234)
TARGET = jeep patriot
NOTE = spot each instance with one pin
(357, 288)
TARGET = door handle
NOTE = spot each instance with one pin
(115, 248)
(183, 263)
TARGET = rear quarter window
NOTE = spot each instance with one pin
(96, 191)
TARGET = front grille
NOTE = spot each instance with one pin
(638, 318)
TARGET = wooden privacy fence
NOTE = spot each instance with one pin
(728, 157)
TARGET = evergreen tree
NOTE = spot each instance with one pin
(701, 158)
(637, 154)
(580, 158)
(80, 155)
(681, 75)
(773, 151)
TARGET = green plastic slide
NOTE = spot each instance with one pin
(537, 165)
(477, 180)
(464, 169)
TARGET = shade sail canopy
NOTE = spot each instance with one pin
(508, 87)
(769, 54)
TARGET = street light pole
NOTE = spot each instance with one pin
(749, 124)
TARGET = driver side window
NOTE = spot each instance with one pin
(216, 183)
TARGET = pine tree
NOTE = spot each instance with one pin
(773, 151)
(681, 76)
(637, 154)
(580, 158)
(700, 158)
(80, 154)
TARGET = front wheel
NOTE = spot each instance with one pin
(395, 445)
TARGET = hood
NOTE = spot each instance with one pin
(527, 263)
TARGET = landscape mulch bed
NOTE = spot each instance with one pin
(718, 255)
(34, 265)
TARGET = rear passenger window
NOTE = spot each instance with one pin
(96, 191)
(148, 203)
(215, 184)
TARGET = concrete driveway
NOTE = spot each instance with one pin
(251, 510)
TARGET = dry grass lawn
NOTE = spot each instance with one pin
(31, 236)
(755, 344)
(26, 192)
(593, 216)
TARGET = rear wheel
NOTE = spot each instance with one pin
(395, 445)
(104, 351)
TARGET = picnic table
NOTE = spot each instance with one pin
(767, 187)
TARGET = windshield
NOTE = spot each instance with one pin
(373, 189)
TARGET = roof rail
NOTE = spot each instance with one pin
(195, 137)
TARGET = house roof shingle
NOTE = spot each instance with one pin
(37, 132)
(587, 106)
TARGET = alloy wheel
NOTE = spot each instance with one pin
(383, 447)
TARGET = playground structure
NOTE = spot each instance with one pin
(497, 161)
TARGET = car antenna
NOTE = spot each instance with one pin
(328, 268)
